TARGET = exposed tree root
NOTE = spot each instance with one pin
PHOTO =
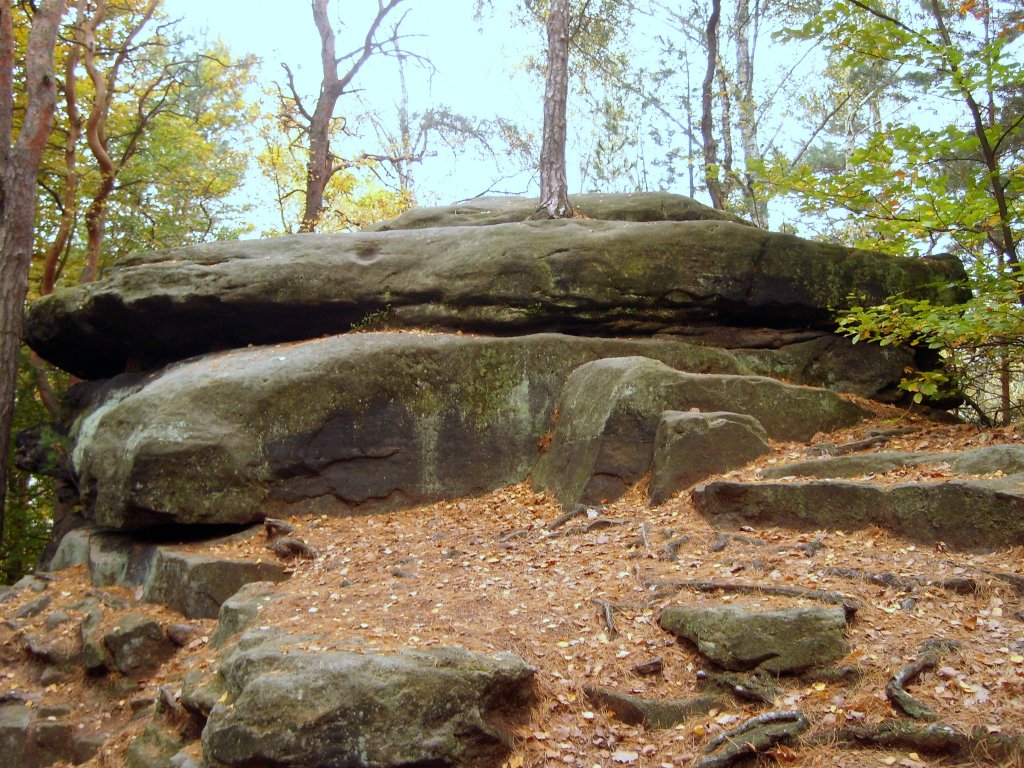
(758, 734)
(670, 552)
(652, 713)
(565, 517)
(957, 584)
(930, 739)
(928, 658)
(831, 449)
(759, 689)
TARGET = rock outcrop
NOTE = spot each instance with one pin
(371, 421)
(610, 410)
(587, 277)
(970, 514)
(690, 447)
(674, 340)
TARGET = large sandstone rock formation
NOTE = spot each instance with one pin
(591, 277)
(383, 419)
(372, 420)
(610, 410)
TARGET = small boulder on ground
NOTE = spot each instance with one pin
(690, 447)
(787, 640)
(240, 610)
(286, 707)
(137, 644)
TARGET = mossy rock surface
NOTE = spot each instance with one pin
(283, 706)
(785, 640)
(967, 514)
(610, 410)
(601, 278)
(356, 422)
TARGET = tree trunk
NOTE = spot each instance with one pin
(321, 165)
(707, 127)
(19, 162)
(756, 207)
(554, 189)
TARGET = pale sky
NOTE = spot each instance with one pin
(475, 66)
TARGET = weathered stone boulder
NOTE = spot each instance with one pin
(197, 584)
(286, 707)
(153, 748)
(484, 211)
(193, 583)
(785, 640)
(137, 644)
(34, 737)
(610, 409)
(579, 276)
(242, 609)
(690, 447)
(977, 515)
(361, 420)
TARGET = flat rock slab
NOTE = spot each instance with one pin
(975, 515)
(191, 582)
(787, 640)
(286, 707)
(1004, 459)
(368, 421)
(578, 276)
(197, 584)
(485, 211)
(690, 447)
(610, 410)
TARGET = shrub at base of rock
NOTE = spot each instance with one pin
(690, 447)
(442, 706)
(610, 409)
(781, 641)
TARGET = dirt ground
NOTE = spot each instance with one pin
(487, 574)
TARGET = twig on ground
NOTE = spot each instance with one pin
(606, 611)
(565, 517)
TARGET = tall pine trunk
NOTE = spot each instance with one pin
(554, 189)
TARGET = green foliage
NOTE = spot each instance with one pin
(948, 176)
(975, 339)
(30, 498)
